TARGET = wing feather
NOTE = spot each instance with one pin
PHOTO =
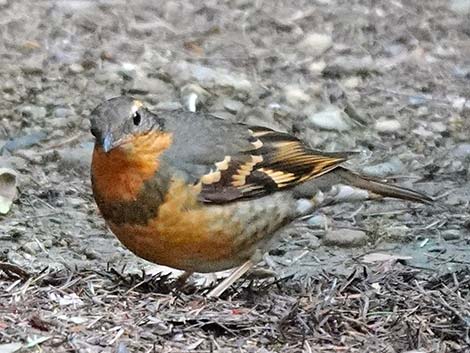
(276, 161)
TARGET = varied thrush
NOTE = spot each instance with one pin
(202, 194)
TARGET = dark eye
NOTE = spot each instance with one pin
(136, 118)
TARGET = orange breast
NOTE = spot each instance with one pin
(119, 174)
(185, 234)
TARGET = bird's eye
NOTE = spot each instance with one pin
(136, 118)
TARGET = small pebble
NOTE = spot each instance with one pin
(147, 85)
(417, 100)
(320, 221)
(232, 105)
(423, 132)
(345, 238)
(317, 67)
(26, 141)
(466, 224)
(316, 44)
(76, 157)
(451, 234)
(58, 122)
(31, 247)
(391, 167)
(295, 95)
(76, 68)
(461, 151)
(350, 65)
(61, 112)
(438, 126)
(32, 111)
(168, 105)
(460, 7)
(208, 77)
(387, 126)
(331, 118)
(352, 82)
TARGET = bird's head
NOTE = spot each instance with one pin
(124, 122)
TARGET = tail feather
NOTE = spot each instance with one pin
(382, 188)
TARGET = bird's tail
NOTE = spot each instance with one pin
(381, 188)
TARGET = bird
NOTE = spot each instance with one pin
(202, 194)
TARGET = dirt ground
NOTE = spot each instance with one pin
(395, 76)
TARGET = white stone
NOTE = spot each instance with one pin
(295, 95)
(461, 7)
(317, 67)
(345, 238)
(331, 118)
(316, 43)
(387, 126)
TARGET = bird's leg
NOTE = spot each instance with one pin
(227, 282)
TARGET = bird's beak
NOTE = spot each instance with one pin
(107, 142)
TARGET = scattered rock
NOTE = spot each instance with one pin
(423, 131)
(320, 221)
(460, 7)
(76, 68)
(451, 234)
(62, 112)
(31, 247)
(26, 141)
(316, 44)
(345, 238)
(438, 126)
(351, 82)
(417, 100)
(168, 106)
(232, 105)
(58, 123)
(146, 85)
(208, 77)
(317, 67)
(350, 65)
(466, 224)
(387, 126)
(422, 111)
(13, 162)
(76, 157)
(332, 118)
(33, 66)
(461, 71)
(313, 242)
(391, 167)
(32, 111)
(461, 151)
(295, 95)
(261, 117)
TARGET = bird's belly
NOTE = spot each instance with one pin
(206, 238)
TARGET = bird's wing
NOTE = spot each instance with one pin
(237, 161)
(275, 161)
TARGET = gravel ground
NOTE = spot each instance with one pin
(388, 79)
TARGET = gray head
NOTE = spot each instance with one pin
(117, 119)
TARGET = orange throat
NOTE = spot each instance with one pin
(119, 174)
